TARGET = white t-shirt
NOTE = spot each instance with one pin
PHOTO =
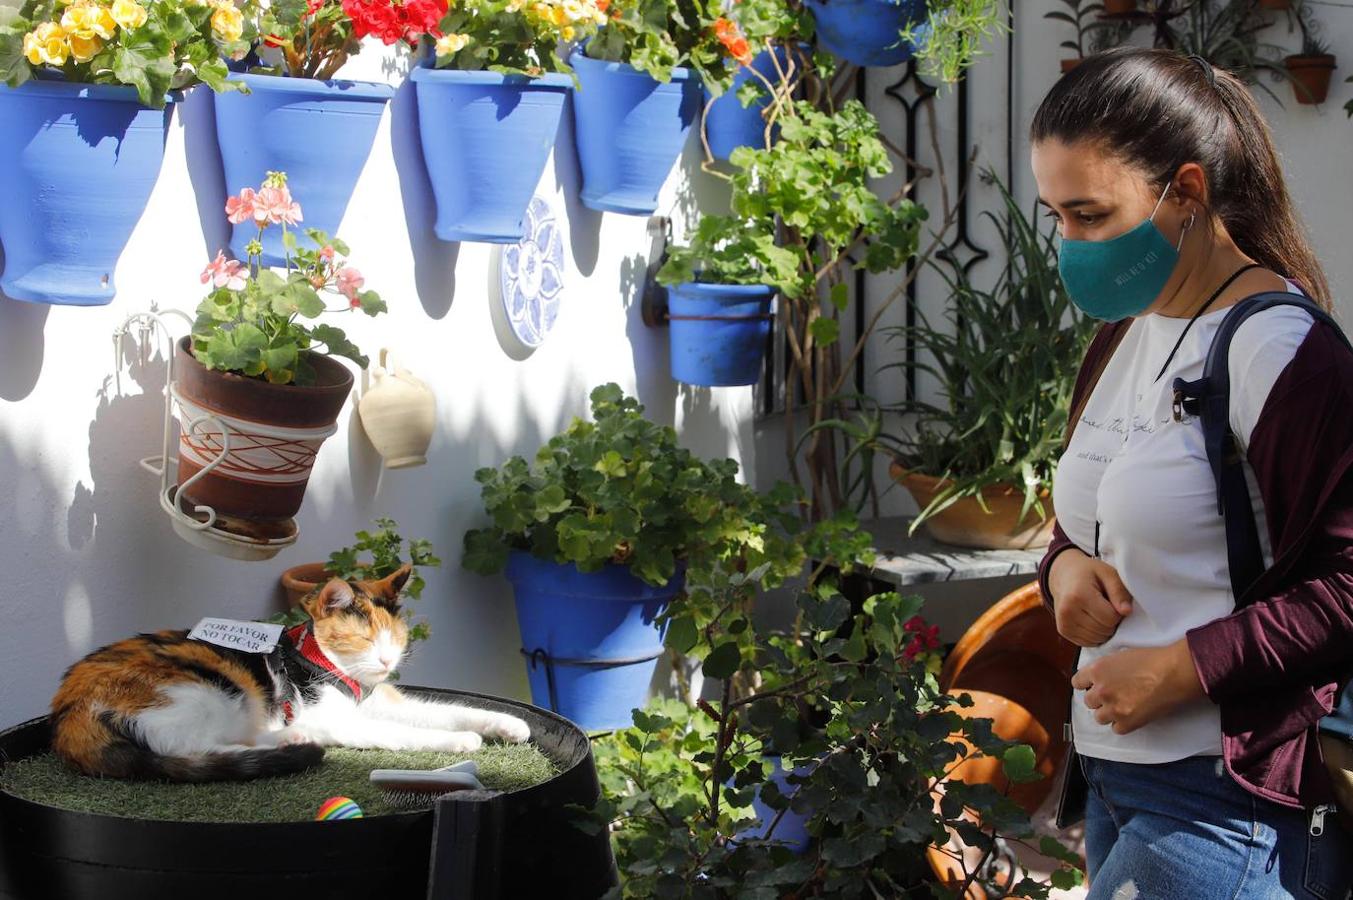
(1135, 487)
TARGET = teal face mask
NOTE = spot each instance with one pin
(1122, 276)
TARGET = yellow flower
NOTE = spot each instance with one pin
(567, 32)
(85, 49)
(451, 44)
(85, 20)
(558, 17)
(227, 21)
(129, 13)
(46, 45)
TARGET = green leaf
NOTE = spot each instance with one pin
(824, 330)
(14, 68)
(1020, 765)
(723, 661)
(840, 296)
(682, 634)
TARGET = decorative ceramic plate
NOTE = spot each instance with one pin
(531, 275)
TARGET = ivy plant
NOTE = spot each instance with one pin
(850, 694)
(250, 323)
(620, 490)
(154, 46)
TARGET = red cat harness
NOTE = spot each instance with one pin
(307, 667)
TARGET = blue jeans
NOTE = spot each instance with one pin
(1186, 830)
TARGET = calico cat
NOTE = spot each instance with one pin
(166, 707)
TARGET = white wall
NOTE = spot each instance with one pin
(86, 555)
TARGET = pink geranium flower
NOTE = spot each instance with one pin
(224, 273)
(350, 281)
(241, 209)
(276, 206)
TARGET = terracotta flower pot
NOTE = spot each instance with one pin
(1275, 4)
(966, 524)
(1311, 77)
(275, 432)
(1120, 7)
(301, 580)
(1069, 64)
(399, 414)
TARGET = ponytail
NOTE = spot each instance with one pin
(1158, 110)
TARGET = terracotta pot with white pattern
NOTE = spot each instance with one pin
(275, 431)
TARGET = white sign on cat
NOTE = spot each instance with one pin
(249, 637)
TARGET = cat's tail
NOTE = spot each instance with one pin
(121, 752)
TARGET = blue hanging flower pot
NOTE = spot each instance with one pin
(486, 138)
(730, 125)
(631, 129)
(718, 332)
(77, 165)
(867, 32)
(319, 132)
(591, 639)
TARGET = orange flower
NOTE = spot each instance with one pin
(730, 35)
(603, 5)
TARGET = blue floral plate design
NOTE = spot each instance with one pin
(531, 275)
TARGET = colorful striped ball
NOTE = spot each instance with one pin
(338, 808)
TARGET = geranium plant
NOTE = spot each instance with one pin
(883, 756)
(656, 36)
(250, 323)
(515, 36)
(727, 250)
(155, 47)
(375, 555)
(620, 490)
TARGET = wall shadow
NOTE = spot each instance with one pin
(584, 225)
(206, 172)
(22, 345)
(434, 260)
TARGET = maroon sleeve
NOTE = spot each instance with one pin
(1058, 543)
(1301, 452)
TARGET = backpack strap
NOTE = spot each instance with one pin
(1209, 398)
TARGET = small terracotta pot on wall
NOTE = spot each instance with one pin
(1275, 4)
(275, 432)
(301, 580)
(1310, 76)
(966, 524)
(1120, 7)
(1069, 64)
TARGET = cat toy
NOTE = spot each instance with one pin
(418, 788)
(338, 808)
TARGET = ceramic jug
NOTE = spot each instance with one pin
(398, 412)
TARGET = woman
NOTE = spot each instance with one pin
(1194, 716)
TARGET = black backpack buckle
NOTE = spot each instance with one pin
(1188, 398)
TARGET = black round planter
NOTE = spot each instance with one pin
(518, 844)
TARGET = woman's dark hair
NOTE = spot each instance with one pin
(1157, 110)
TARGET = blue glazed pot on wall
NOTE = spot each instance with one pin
(486, 138)
(319, 132)
(730, 125)
(630, 130)
(591, 639)
(867, 32)
(77, 166)
(718, 332)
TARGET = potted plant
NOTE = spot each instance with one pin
(696, 808)
(597, 538)
(489, 104)
(298, 118)
(1075, 15)
(87, 96)
(373, 555)
(980, 463)
(254, 364)
(719, 292)
(868, 32)
(1312, 68)
(639, 91)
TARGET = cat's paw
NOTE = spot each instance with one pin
(293, 734)
(509, 729)
(457, 741)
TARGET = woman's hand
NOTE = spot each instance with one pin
(1088, 598)
(1131, 688)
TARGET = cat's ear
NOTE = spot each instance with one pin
(386, 591)
(335, 596)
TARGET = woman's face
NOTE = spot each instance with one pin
(1095, 196)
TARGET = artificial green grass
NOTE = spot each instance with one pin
(294, 798)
